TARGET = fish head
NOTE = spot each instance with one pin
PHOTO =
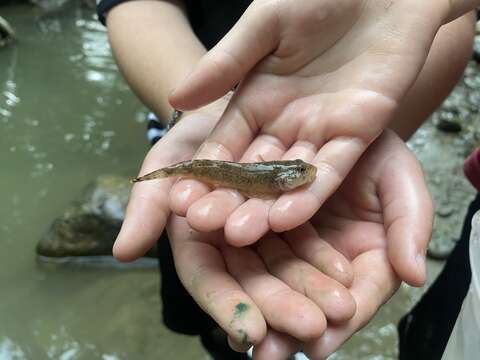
(300, 174)
(307, 173)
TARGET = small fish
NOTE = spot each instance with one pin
(264, 180)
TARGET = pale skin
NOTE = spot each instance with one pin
(308, 284)
(292, 104)
(149, 208)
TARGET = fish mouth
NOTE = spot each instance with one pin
(312, 173)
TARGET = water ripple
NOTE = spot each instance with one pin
(10, 351)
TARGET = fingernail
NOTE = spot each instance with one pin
(421, 264)
(179, 85)
(119, 238)
(117, 250)
(340, 268)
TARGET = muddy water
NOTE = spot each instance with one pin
(66, 116)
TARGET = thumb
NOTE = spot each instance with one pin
(252, 38)
(408, 217)
(145, 219)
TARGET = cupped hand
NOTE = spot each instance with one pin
(318, 80)
(374, 230)
(380, 219)
(205, 262)
(148, 207)
(244, 289)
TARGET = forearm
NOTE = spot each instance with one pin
(154, 47)
(448, 56)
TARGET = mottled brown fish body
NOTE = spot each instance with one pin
(262, 179)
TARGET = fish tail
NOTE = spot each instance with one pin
(157, 174)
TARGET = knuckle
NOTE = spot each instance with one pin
(325, 168)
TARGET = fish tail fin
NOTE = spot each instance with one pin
(157, 174)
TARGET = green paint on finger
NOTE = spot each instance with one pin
(241, 309)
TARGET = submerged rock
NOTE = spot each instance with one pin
(89, 226)
(78, 234)
(7, 34)
(448, 121)
(451, 126)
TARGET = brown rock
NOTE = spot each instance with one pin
(89, 226)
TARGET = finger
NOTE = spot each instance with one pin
(148, 210)
(375, 282)
(264, 148)
(331, 296)
(284, 310)
(350, 237)
(334, 160)
(224, 66)
(301, 149)
(210, 212)
(148, 201)
(275, 346)
(238, 347)
(341, 131)
(248, 223)
(309, 246)
(184, 193)
(148, 207)
(202, 271)
(227, 142)
(408, 215)
(304, 240)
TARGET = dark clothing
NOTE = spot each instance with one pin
(210, 19)
(425, 331)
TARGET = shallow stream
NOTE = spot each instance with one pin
(66, 116)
